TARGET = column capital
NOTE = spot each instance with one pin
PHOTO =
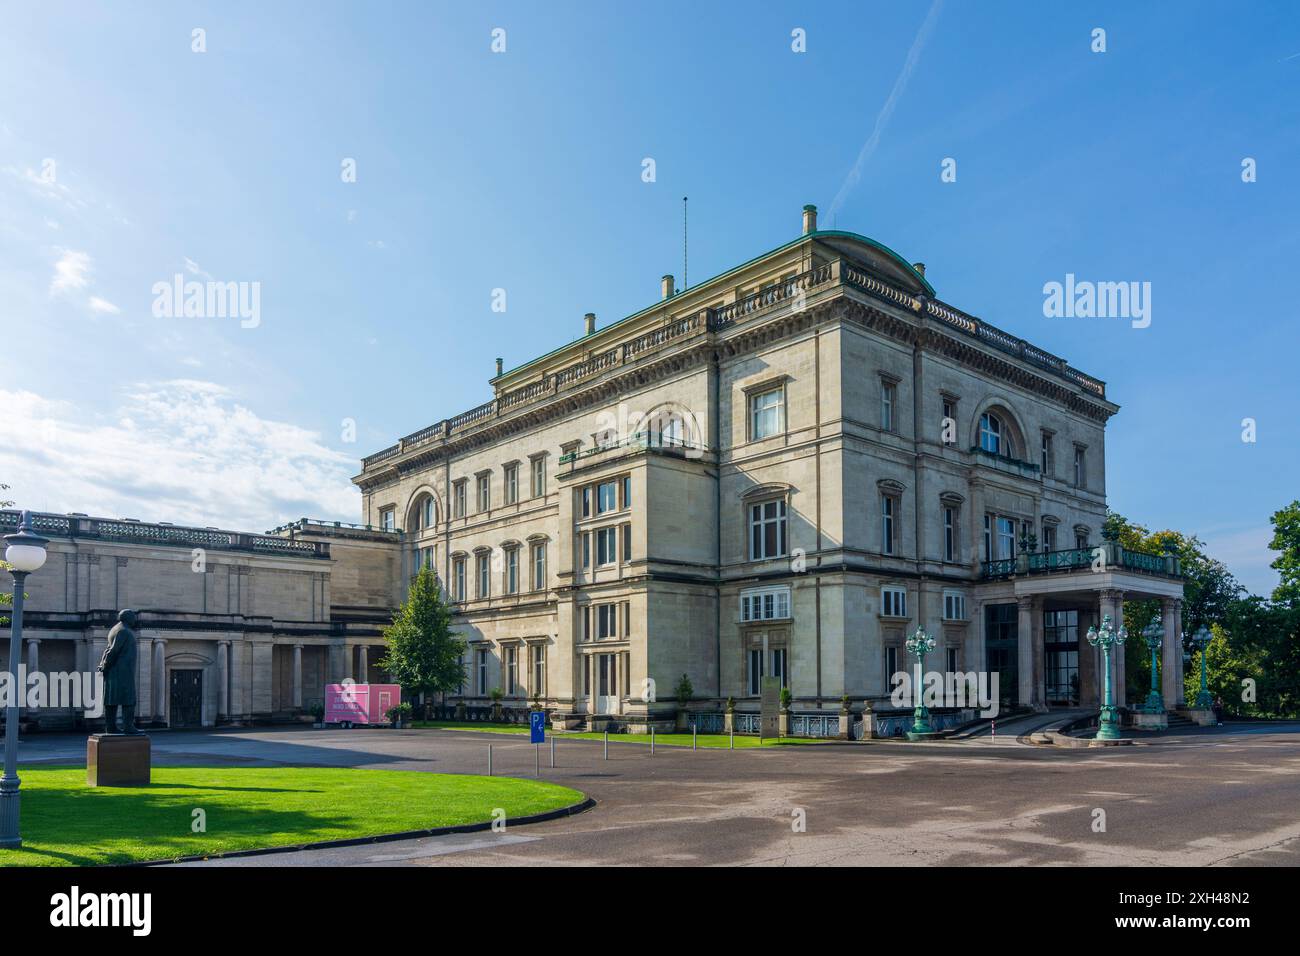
(32, 640)
(1026, 602)
(1112, 594)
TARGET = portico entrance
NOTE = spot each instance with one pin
(186, 698)
(1002, 651)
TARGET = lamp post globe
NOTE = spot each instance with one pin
(920, 644)
(1108, 724)
(24, 553)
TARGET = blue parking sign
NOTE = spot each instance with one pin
(537, 726)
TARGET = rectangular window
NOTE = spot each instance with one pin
(512, 484)
(586, 501)
(767, 414)
(606, 541)
(888, 394)
(458, 577)
(1080, 471)
(606, 621)
(539, 567)
(512, 670)
(988, 537)
(779, 665)
(388, 519)
(1080, 539)
(893, 602)
(891, 665)
(484, 493)
(627, 543)
(586, 549)
(954, 606)
(1047, 458)
(539, 477)
(887, 524)
(606, 497)
(950, 534)
(950, 660)
(484, 575)
(458, 499)
(1049, 537)
(539, 670)
(1006, 538)
(512, 571)
(755, 670)
(767, 530)
(948, 425)
(482, 668)
(765, 604)
(627, 491)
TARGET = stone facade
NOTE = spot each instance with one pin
(234, 627)
(821, 384)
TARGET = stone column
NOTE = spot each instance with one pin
(33, 655)
(1039, 654)
(363, 665)
(144, 681)
(297, 676)
(160, 680)
(1171, 652)
(1112, 605)
(1025, 651)
(976, 647)
(223, 679)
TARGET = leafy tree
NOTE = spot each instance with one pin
(1209, 594)
(423, 654)
(6, 596)
(1286, 539)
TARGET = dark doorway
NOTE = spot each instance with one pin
(1002, 650)
(187, 698)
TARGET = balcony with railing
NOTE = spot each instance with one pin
(1109, 555)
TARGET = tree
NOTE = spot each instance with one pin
(423, 654)
(6, 598)
(1286, 539)
(1210, 593)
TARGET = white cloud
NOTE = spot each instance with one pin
(103, 305)
(70, 272)
(183, 451)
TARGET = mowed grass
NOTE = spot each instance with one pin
(717, 741)
(65, 822)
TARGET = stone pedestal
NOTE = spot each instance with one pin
(118, 760)
(1145, 720)
(1203, 717)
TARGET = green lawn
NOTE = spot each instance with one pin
(65, 822)
(669, 740)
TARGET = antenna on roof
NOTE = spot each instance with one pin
(686, 275)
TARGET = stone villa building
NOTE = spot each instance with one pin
(782, 471)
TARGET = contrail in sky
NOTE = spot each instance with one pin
(886, 111)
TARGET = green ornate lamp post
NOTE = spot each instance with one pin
(1106, 638)
(1201, 639)
(1154, 634)
(920, 644)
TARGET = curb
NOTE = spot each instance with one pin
(571, 810)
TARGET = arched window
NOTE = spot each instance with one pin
(995, 438)
(424, 514)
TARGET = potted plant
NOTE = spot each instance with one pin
(729, 716)
(317, 711)
(399, 715)
(462, 712)
(783, 718)
(497, 695)
(684, 692)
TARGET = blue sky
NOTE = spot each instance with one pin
(522, 170)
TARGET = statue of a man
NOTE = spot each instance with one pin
(118, 666)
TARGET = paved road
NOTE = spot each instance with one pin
(1222, 796)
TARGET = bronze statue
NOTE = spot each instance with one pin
(118, 666)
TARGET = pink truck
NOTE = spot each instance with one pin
(351, 704)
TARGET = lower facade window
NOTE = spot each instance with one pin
(779, 665)
(954, 606)
(481, 666)
(539, 670)
(512, 671)
(893, 602)
(765, 604)
(755, 671)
